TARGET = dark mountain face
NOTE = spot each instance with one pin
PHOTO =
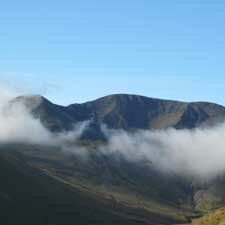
(128, 112)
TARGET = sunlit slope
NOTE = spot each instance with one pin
(216, 217)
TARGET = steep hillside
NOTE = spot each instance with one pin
(117, 180)
(32, 196)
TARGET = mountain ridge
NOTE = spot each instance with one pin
(124, 111)
(116, 95)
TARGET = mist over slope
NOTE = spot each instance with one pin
(199, 152)
(129, 124)
(165, 158)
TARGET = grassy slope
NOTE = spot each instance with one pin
(123, 184)
(30, 196)
(216, 217)
(48, 189)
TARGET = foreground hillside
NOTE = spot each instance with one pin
(31, 196)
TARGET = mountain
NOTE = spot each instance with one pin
(104, 189)
(128, 112)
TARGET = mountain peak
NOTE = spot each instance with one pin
(125, 98)
(30, 101)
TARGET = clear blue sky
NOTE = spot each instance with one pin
(78, 50)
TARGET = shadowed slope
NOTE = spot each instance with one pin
(31, 196)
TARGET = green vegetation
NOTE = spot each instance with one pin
(31, 196)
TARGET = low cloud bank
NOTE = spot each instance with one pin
(17, 124)
(199, 152)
